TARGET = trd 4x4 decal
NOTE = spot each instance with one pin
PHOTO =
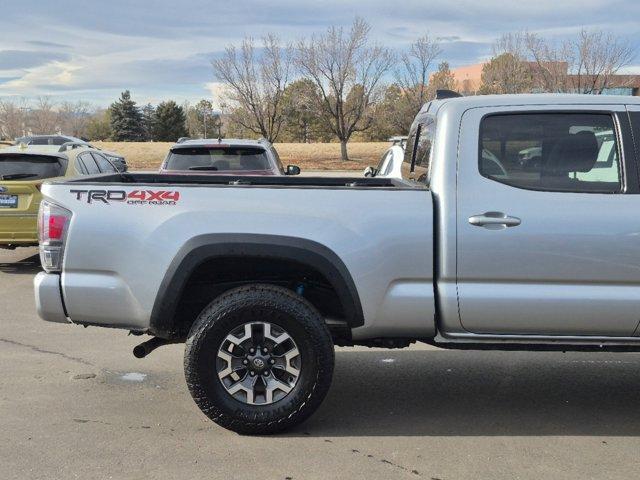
(137, 197)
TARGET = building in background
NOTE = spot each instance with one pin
(469, 80)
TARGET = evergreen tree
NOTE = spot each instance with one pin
(126, 119)
(169, 122)
(148, 121)
(443, 79)
(301, 121)
(206, 120)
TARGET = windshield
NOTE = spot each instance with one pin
(29, 167)
(218, 159)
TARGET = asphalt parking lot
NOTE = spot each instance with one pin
(75, 403)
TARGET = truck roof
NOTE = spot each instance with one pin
(532, 99)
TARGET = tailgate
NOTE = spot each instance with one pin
(19, 202)
(21, 174)
(19, 197)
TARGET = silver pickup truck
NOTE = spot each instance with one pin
(262, 276)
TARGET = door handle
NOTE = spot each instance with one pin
(494, 220)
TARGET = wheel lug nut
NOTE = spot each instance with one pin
(252, 373)
(264, 350)
(266, 373)
(245, 361)
(252, 350)
(272, 361)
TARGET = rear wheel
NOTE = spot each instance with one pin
(259, 359)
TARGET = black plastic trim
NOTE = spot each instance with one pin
(634, 120)
(629, 164)
(210, 246)
(246, 181)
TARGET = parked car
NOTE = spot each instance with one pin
(22, 171)
(390, 164)
(262, 276)
(115, 158)
(225, 157)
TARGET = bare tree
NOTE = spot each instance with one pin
(13, 118)
(586, 64)
(508, 71)
(413, 76)
(598, 56)
(44, 119)
(74, 117)
(256, 83)
(347, 72)
(551, 63)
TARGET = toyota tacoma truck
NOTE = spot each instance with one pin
(262, 276)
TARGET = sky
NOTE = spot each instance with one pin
(162, 49)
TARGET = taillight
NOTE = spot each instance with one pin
(53, 221)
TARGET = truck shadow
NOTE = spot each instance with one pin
(16, 262)
(463, 393)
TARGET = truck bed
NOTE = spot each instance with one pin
(127, 230)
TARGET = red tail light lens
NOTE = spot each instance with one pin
(53, 221)
(56, 226)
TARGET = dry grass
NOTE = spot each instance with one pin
(313, 156)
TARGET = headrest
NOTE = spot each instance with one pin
(577, 152)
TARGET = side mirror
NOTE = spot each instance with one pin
(293, 170)
(370, 172)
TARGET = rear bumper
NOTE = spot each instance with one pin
(18, 228)
(49, 298)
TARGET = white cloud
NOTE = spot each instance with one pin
(106, 47)
(217, 91)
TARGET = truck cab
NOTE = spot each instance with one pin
(535, 252)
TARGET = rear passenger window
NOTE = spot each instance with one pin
(89, 165)
(564, 152)
(104, 164)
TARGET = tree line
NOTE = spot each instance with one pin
(335, 85)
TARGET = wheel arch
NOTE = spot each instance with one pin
(205, 248)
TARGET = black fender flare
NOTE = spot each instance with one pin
(206, 247)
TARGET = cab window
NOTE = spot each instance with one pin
(564, 152)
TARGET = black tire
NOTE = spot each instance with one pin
(281, 307)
